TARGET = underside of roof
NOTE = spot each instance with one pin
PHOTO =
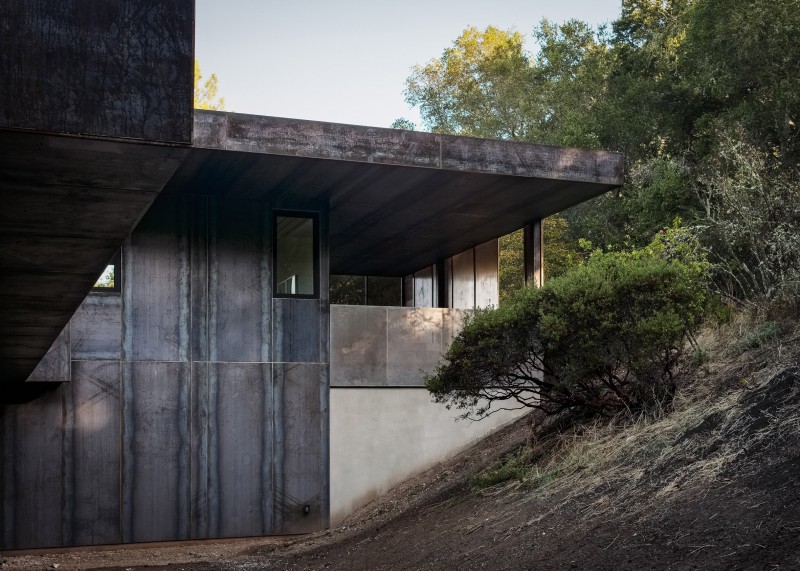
(398, 201)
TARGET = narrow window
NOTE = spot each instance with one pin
(296, 256)
(111, 278)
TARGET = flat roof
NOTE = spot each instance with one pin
(399, 200)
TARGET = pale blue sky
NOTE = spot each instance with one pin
(346, 61)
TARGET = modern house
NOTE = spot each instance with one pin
(215, 391)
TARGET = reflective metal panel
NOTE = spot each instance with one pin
(423, 287)
(408, 291)
(463, 277)
(487, 293)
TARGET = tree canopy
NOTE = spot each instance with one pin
(677, 86)
(205, 92)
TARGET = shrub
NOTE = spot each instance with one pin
(603, 337)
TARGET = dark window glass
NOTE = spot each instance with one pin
(296, 265)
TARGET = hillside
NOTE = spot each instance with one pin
(710, 485)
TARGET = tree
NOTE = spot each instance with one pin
(403, 124)
(667, 85)
(480, 86)
(205, 92)
(751, 221)
(604, 336)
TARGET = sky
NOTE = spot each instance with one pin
(346, 61)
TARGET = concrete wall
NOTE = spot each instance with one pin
(381, 436)
(384, 426)
(196, 404)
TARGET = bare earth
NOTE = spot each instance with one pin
(716, 486)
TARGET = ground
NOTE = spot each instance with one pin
(715, 484)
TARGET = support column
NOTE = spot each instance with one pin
(534, 272)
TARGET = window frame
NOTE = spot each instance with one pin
(314, 217)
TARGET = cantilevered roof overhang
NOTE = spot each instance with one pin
(399, 200)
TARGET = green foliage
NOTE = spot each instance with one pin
(205, 92)
(477, 87)
(107, 278)
(604, 336)
(559, 246)
(515, 467)
(751, 221)
(511, 264)
(403, 124)
(702, 97)
(765, 332)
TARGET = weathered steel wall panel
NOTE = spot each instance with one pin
(244, 442)
(96, 327)
(298, 459)
(359, 345)
(424, 287)
(408, 291)
(32, 472)
(415, 342)
(156, 439)
(239, 276)
(487, 286)
(201, 419)
(463, 277)
(199, 279)
(95, 452)
(54, 366)
(296, 330)
(156, 290)
(117, 69)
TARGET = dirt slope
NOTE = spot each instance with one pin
(724, 494)
(715, 485)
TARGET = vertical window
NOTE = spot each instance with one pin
(296, 256)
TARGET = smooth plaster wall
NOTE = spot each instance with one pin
(381, 436)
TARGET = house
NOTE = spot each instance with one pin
(216, 391)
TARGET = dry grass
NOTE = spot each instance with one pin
(702, 432)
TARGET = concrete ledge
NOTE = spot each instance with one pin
(334, 141)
